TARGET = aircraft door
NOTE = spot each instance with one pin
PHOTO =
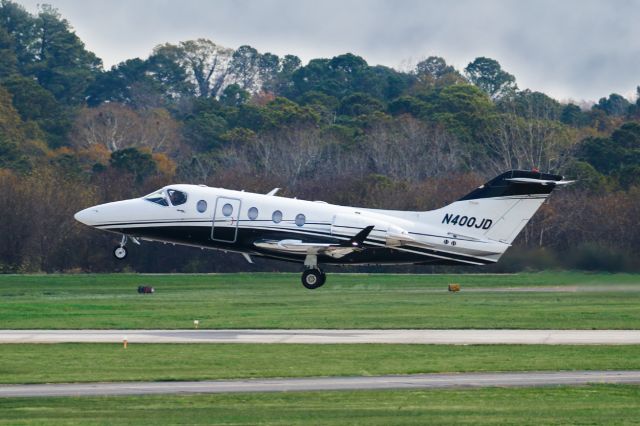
(225, 220)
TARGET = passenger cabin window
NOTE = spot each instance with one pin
(300, 219)
(276, 216)
(227, 209)
(177, 197)
(157, 197)
(253, 213)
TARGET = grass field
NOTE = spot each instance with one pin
(346, 301)
(145, 362)
(595, 404)
(546, 300)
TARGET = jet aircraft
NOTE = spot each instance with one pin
(475, 230)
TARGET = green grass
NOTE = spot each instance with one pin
(157, 362)
(596, 404)
(346, 301)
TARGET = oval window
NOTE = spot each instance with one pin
(201, 206)
(277, 216)
(253, 213)
(227, 209)
(300, 219)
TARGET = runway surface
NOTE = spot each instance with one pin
(420, 381)
(439, 337)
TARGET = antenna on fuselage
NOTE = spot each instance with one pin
(273, 191)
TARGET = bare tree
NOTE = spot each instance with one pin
(116, 127)
(408, 149)
(516, 143)
(45, 244)
(291, 154)
(205, 63)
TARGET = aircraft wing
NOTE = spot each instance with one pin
(311, 248)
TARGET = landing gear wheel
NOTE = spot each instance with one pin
(119, 252)
(313, 278)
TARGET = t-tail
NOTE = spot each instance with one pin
(499, 209)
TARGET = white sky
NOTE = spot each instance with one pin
(578, 49)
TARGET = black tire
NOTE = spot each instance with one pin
(120, 253)
(313, 278)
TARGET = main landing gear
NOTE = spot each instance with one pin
(313, 277)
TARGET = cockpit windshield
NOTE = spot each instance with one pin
(177, 197)
(158, 197)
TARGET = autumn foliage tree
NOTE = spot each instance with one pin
(336, 129)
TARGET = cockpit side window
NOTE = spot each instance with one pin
(157, 197)
(177, 197)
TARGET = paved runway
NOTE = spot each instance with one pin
(437, 337)
(419, 381)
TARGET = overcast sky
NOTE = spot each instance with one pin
(578, 49)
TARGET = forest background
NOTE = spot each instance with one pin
(73, 134)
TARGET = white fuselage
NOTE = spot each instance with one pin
(284, 228)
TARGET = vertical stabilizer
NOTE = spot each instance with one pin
(499, 209)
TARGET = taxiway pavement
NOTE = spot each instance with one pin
(434, 337)
(418, 381)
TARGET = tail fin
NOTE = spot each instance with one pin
(499, 209)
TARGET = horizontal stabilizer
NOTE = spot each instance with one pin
(517, 183)
(540, 181)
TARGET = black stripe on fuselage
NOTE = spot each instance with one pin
(381, 242)
(298, 230)
(375, 253)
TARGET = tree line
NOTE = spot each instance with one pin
(73, 134)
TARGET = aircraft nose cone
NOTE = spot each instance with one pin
(86, 216)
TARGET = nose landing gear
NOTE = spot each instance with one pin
(120, 252)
